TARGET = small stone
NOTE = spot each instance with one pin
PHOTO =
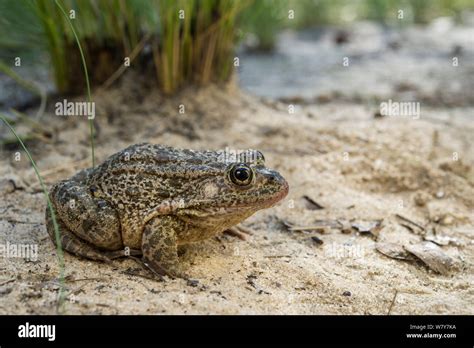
(11, 182)
(442, 239)
(346, 227)
(346, 293)
(317, 240)
(192, 282)
(439, 194)
(433, 256)
(393, 250)
(421, 198)
(6, 186)
(446, 220)
(5, 290)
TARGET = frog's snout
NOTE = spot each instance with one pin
(280, 185)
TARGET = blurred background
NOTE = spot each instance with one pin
(285, 48)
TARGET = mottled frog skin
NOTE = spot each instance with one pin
(150, 199)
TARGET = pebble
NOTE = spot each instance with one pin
(6, 186)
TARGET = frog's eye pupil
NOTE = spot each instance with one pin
(241, 175)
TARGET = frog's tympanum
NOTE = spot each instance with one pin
(150, 199)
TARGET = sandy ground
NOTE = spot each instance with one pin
(357, 168)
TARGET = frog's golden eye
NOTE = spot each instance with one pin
(241, 174)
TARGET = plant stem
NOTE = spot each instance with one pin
(91, 122)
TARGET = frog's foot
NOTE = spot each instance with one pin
(239, 232)
(143, 271)
(159, 271)
(72, 243)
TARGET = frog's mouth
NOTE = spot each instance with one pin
(258, 204)
(281, 194)
(237, 205)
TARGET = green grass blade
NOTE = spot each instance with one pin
(86, 75)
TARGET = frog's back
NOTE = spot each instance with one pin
(146, 154)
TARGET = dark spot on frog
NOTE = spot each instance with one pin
(157, 256)
(102, 204)
(147, 184)
(87, 225)
(132, 191)
(94, 190)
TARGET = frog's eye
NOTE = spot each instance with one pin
(241, 174)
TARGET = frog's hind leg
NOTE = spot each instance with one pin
(72, 243)
(92, 219)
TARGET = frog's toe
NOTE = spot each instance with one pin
(168, 270)
(239, 232)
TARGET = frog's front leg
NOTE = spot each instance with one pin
(160, 245)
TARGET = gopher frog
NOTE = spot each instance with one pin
(150, 199)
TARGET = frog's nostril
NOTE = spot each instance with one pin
(277, 178)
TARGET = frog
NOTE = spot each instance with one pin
(149, 200)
